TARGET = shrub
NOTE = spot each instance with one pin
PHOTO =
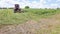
(27, 7)
(58, 8)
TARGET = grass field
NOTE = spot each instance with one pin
(7, 16)
(48, 19)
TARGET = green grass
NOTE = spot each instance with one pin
(7, 16)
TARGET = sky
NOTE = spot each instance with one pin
(31, 3)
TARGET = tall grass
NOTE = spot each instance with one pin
(7, 16)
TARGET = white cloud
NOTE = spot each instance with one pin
(58, 0)
(22, 3)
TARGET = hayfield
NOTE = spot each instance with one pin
(32, 21)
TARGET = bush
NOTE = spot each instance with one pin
(27, 7)
(58, 8)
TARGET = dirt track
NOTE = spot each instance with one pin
(44, 26)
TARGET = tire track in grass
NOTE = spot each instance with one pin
(44, 26)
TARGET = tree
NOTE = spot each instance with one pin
(27, 7)
(58, 8)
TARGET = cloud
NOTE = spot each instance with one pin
(31, 3)
(58, 0)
